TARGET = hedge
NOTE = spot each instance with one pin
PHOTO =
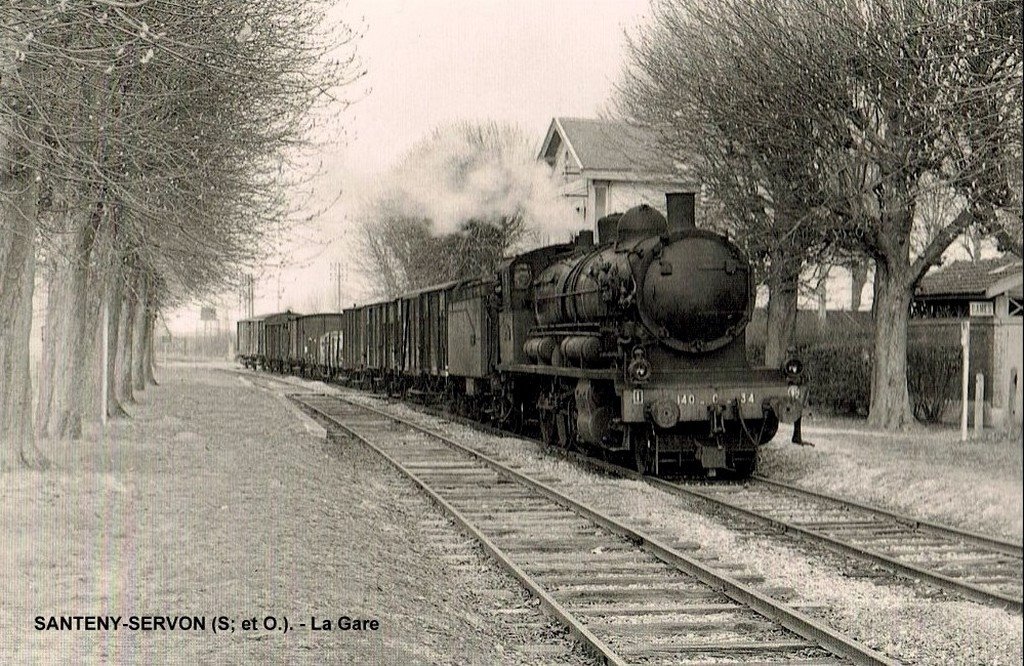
(933, 376)
(838, 377)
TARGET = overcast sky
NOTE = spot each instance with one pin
(431, 62)
(523, 61)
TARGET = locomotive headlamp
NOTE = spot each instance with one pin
(639, 369)
(793, 368)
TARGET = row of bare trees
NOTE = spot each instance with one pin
(825, 128)
(142, 152)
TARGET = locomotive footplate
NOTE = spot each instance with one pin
(667, 406)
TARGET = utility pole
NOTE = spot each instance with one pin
(279, 269)
(246, 295)
(336, 266)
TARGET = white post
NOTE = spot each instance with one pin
(965, 378)
(979, 403)
(103, 356)
(1011, 401)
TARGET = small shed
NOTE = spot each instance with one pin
(986, 293)
(607, 166)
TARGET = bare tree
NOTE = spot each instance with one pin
(928, 96)
(18, 228)
(858, 278)
(693, 75)
(157, 135)
(883, 101)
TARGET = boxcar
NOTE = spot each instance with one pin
(381, 341)
(353, 353)
(246, 341)
(329, 362)
(471, 332)
(277, 340)
(304, 335)
(373, 320)
(423, 332)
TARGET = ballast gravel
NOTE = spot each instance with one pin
(893, 618)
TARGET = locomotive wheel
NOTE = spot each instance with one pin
(571, 442)
(504, 412)
(547, 416)
(548, 429)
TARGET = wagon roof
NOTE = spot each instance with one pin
(433, 287)
(280, 317)
(408, 294)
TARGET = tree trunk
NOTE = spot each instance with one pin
(139, 336)
(18, 218)
(115, 295)
(69, 339)
(89, 390)
(783, 287)
(821, 292)
(858, 278)
(890, 398)
(18, 212)
(123, 367)
(150, 360)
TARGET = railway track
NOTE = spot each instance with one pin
(973, 565)
(627, 595)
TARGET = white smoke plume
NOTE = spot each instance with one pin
(487, 172)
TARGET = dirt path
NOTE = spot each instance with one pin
(215, 501)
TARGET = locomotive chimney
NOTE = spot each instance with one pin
(680, 206)
(585, 239)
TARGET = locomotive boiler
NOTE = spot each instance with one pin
(642, 338)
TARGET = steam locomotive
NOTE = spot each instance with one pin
(633, 345)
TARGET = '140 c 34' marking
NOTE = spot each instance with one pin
(744, 398)
(691, 399)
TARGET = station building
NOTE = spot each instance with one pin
(986, 293)
(609, 166)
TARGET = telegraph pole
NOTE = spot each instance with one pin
(246, 294)
(337, 286)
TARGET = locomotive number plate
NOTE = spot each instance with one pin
(638, 396)
(691, 399)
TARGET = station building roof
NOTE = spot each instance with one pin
(612, 147)
(984, 278)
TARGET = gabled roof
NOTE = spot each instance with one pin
(985, 278)
(608, 146)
